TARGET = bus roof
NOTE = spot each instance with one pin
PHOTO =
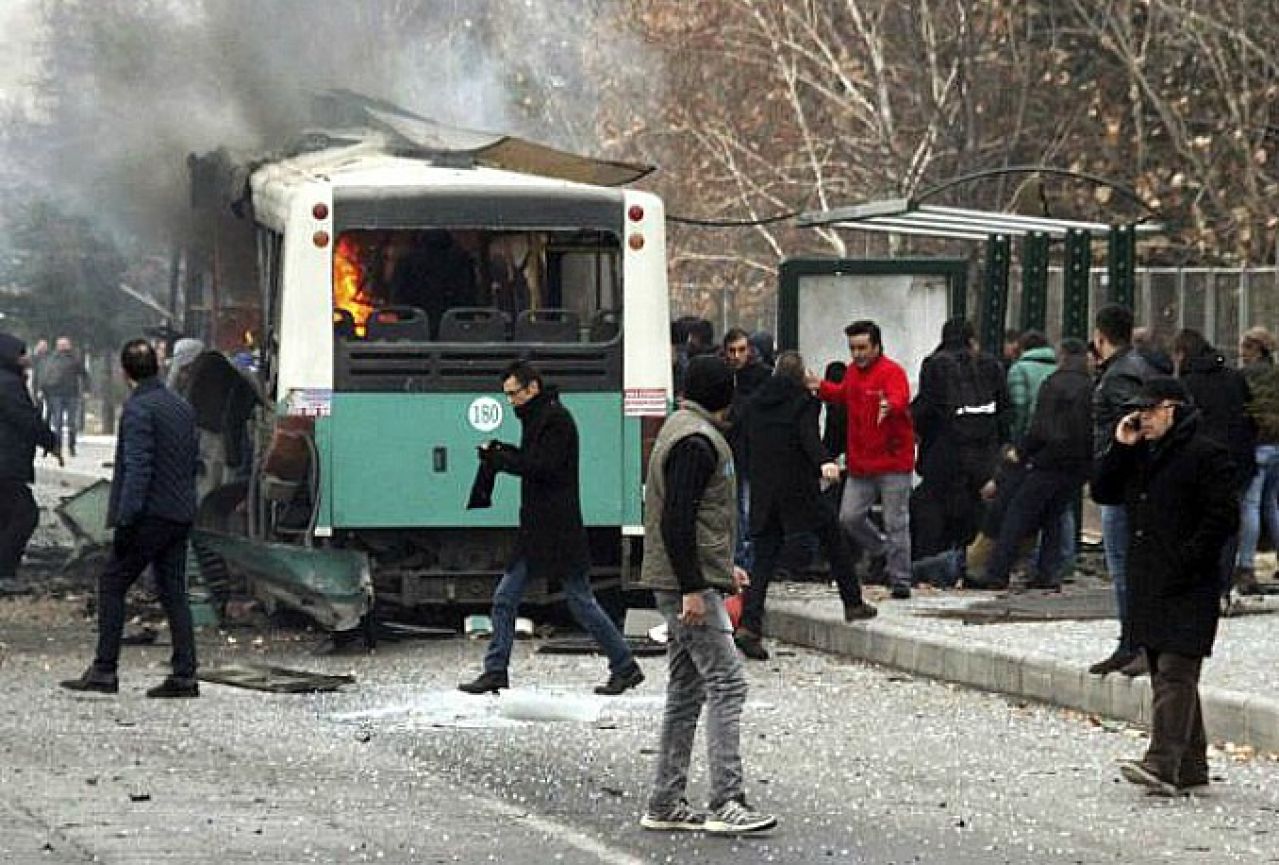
(368, 165)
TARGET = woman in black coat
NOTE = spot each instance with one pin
(1173, 482)
(784, 459)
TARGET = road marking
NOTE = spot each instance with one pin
(572, 837)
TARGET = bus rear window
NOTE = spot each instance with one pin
(480, 285)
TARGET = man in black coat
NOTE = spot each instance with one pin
(20, 431)
(1167, 477)
(959, 415)
(785, 461)
(151, 508)
(552, 539)
(1056, 457)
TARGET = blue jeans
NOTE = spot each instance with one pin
(1114, 537)
(744, 553)
(1260, 502)
(64, 410)
(581, 603)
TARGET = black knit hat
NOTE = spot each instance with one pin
(709, 382)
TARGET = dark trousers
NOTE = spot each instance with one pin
(1178, 749)
(768, 549)
(18, 519)
(1041, 498)
(163, 545)
(945, 511)
(64, 410)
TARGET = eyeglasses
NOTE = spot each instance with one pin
(514, 392)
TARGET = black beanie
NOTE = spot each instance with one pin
(709, 382)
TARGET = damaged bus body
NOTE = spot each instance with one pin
(381, 280)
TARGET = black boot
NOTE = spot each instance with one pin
(486, 683)
(92, 680)
(174, 687)
(1117, 661)
(621, 681)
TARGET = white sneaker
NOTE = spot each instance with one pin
(680, 817)
(737, 818)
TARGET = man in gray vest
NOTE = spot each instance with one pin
(690, 516)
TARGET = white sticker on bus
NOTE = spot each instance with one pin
(485, 414)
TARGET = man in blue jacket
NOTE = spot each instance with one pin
(152, 507)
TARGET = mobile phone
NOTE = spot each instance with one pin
(1132, 423)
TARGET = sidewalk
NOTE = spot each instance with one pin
(94, 454)
(1043, 660)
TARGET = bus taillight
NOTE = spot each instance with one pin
(320, 211)
(636, 213)
(635, 242)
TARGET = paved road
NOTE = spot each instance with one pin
(862, 765)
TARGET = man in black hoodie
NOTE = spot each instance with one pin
(552, 540)
(785, 461)
(20, 431)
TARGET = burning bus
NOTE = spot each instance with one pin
(381, 275)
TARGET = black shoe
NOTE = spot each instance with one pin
(1120, 659)
(92, 680)
(621, 682)
(859, 611)
(1044, 585)
(900, 591)
(750, 645)
(175, 688)
(486, 683)
(9, 586)
(983, 585)
(1137, 772)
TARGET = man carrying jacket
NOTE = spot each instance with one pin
(1120, 375)
(881, 452)
(1167, 476)
(783, 455)
(20, 431)
(690, 520)
(552, 542)
(151, 507)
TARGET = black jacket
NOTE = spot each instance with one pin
(20, 426)
(1060, 434)
(552, 538)
(746, 382)
(157, 452)
(1221, 393)
(783, 454)
(1119, 378)
(1179, 516)
(960, 413)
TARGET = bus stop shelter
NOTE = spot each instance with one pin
(998, 231)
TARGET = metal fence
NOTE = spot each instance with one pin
(1221, 303)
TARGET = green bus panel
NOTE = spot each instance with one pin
(408, 460)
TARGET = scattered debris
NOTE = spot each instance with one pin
(277, 680)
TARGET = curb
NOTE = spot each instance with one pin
(66, 477)
(1230, 716)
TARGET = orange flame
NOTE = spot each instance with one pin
(348, 289)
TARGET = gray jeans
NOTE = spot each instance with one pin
(704, 669)
(893, 491)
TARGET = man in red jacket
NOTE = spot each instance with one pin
(881, 452)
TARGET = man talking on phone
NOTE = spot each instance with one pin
(1167, 476)
(690, 524)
